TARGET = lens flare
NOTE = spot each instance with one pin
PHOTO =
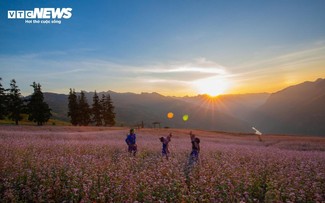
(170, 115)
(185, 117)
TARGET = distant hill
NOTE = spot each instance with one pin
(132, 109)
(224, 113)
(59, 105)
(297, 109)
(239, 106)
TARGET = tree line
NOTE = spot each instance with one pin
(101, 113)
(13, 104)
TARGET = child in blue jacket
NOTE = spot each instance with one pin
(131, 142)
(165, 141)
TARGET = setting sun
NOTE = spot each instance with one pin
(213, 86)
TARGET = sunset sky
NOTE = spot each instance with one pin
(171, 47)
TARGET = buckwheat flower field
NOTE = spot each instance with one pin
(88, 164)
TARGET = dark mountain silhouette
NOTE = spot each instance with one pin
(59, 105)
(237, 105)
(298, 109)
(132, 109)
(221, 113)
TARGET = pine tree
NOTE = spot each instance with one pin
(3, 101)
(111, 121)
(38, 110)
(73, 107)
(108, 114)
(83, 110)
(96, 110)
(15, 102)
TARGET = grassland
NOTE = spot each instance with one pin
(25, 121)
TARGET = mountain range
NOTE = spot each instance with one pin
(298, 109)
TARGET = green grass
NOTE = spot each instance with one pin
(25, 121)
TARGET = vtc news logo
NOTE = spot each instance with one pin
(48, 15)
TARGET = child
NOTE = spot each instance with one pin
(165, 142)
(194, 156)
(131, 142)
